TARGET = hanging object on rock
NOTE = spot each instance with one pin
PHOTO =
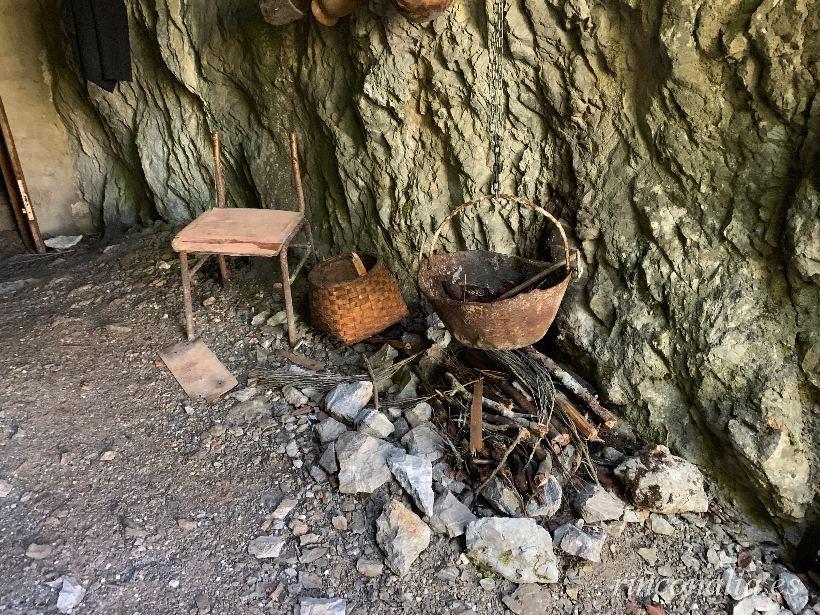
(329, 12)
(420, 11)
(475, 319)
(281, 12)
(353, 297)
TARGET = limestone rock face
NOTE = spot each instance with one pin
(677, 140)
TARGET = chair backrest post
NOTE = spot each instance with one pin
(220, 182)
(297, 173)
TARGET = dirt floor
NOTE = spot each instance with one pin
(150, 499)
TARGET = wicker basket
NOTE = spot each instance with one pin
(354, 297)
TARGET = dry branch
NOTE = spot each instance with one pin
(575, 387)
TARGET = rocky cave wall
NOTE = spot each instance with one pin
(677, 139)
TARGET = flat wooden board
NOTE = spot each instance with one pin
(239, 231)
(197, 370)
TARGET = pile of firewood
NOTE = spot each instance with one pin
(512, 413)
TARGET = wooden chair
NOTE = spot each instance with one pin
(223, 231)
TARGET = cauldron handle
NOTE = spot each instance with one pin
(507, 197)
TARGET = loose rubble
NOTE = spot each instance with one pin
(362, 462)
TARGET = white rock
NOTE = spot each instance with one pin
(755, 604)
(347, 399)
(5, 488)
(518, 549)
(322, 606)
(659, 525)
(294, 396)
(584, 542)
(793, 590)
(424, 440)
(402, 536)
(450, 516)
(292, 449)
(595, 504)
(736, 587)
(418, 414)
(374, 423)
(546, 501)
(265, 547)
(415, 475)
(362, 462)
(71, 594)
(63, 242)
(329, 430)
(284, 508)
(661, 482)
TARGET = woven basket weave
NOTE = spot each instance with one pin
(354, 297)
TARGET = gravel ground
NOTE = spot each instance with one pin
(149, 499)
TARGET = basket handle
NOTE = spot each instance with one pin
(507, 197)
(358, 265)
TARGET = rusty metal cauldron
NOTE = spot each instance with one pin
(505, 324)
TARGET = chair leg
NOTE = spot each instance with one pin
(223, 269)
(186, 295)
(283, 264)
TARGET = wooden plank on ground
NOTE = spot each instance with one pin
(477, 419)
(197, 370)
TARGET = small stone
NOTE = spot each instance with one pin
(260, 318)
(362, 462)
(649, 554)
(311, 555)
(450, 516)
(529, 599)
(317, 474)
(690, 561)
(37, 551)
(173, 583)
(249, 411)
(347, 399)
(503, 497)
(595, 504)
(518, 549)
(186, 525)
(586, 543)
(71, 594)
(339, 522)
(209, 301)
(292, 449)
(401, 535)
(298, 527)
(265, 547)
(415, 475)
(294, 396)
(284, 508)
(5, 488)
(546, 501)
(322, 606)
(418, 414)
(400, 428)
(108, 456)
(793, 590)
(736, 587)
(369, 567)
(309, 539)
(374, 423)
(663, 483)
(328, 459)
(756, 604)
(310, 581)
(659, 525)
(329, 430)
(424, 440)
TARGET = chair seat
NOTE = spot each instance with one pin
(239, 232)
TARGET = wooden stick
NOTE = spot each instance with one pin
(526, 405)
(585, 429)
(522, 433)
(218, 179)
(476, 420)
(576, 388)
(535, 279)
(297, 172)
